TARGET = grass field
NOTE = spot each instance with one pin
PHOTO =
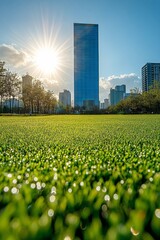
(80, 177)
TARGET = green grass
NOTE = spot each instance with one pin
(80, 177)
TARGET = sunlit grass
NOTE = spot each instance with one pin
(80, 177)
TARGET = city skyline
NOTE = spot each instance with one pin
(128, 38)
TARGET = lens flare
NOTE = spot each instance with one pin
(47, 60)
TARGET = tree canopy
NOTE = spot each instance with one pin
(147, 102)
(35, 98)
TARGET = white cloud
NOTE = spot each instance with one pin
(58, 85)
(20, 61)
(131, 81)
(12, 56)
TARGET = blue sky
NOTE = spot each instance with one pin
(129, 36)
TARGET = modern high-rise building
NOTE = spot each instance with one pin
(117, 94)
(105, 104)
(86, 66)
(26, 81)
(65, 98)
(150, 75)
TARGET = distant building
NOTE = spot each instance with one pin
(126, 95)
(13, 103)
(86, 66)
(150, 74)
(117, 94)
(65, 98)
(26, 81)
(105, 104)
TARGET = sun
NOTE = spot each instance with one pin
(46, 60)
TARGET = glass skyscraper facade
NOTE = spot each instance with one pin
(150, 75)
(117, 94)
(86, 66)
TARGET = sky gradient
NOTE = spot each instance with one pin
(129, 37)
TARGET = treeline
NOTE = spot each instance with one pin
(147, 102)
(37, 100)
(31, 98)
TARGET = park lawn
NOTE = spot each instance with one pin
(78, 177)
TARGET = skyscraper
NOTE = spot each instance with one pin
(150, 74)
(65, 98)
(26, 81)
(86, 66)
(117, 94)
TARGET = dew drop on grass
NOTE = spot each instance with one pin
(53, 190)
(33, 185)
(134, 232)
(52, 198)
(104, 207)
(115, 196)
(81, 184)
(9, 175)
(107, 197)
(144, 186)
(14, 181)
(67, 238)
(43, 185)
(130, 190)
(14, 190)
(19, 185)
(27, 175)
(74, 184)
(151, 179)
(6, 189)
(27, 182)
(50, 213)
(157, 212)
(35, 179)
(70, 190)
(38, 184)
(122, 181)
(141, 191)
(98, 188)
(55, 176)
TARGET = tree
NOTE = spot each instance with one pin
(151, 101)
(36, 99)
(9, 85)
(37, 95)
(27, 98)
(49, 102)
(12, 85)
(2, 82)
